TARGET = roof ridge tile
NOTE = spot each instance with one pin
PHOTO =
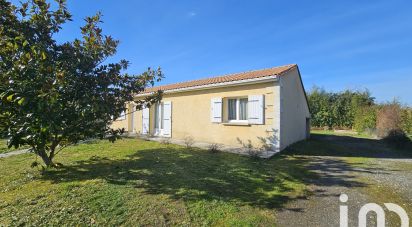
(278, 70)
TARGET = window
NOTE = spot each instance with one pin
(159, 115)
(237, 109)
(156, 117)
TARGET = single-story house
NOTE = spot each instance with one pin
(262, 106)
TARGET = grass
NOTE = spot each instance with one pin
(343, 133)
(329, 143)
(5, 149)
(135, 182)
(3, 146)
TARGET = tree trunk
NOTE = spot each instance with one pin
(46, 159)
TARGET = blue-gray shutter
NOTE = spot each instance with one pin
(167, 119)
(216, 110)
(256, 109)
(145, 120)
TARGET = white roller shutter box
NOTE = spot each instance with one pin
(145, 121)
(167, 119)
(256, 109)
(216, 110)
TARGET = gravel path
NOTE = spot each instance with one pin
(395, 174)
(336, 176)
(322, 207)
(378, 175)
(12, 153)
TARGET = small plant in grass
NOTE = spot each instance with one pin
(251, 150)
(165, 141)
(266, 142)
(189, 141)
(214, 147)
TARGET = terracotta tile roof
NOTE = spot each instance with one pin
(225, 78)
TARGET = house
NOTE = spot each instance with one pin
(262, 106)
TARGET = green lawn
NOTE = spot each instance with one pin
(3, 146)
(5, 149)
(329, 143)
(332, 132)
(135, 182)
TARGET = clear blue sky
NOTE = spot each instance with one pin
(337, 44)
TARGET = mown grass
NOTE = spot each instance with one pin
(341, 133)
(4, 148)
(135, 182)
(329, 143)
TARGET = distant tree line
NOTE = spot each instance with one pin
(357, 110)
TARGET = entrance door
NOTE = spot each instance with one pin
(163, 119)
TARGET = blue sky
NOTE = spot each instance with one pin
(337, 44)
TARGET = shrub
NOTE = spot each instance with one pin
(388, 119)
(189, 141)
(397, 138)
(214, 147)
(365, 119)
(251, 150)
(406, 120)
(336, 109)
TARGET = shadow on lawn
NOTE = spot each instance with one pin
(347, 146)
(194, 175)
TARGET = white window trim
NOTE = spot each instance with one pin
(237, 110)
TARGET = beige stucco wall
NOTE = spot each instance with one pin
(285, 114)
(119, 124)
(294, 109)
(125, 123)
(191, 115)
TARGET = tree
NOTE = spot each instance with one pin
(337, 109)
(406, 123)
(56, 94)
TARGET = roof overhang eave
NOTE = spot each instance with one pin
(217, 85)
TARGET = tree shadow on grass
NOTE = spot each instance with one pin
(194, 175)
(347, 146)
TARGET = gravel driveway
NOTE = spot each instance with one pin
(336, 176)
(364, 179)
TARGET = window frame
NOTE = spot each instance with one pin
(159, 116)
(237, 111)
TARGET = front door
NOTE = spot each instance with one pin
(163, 119)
